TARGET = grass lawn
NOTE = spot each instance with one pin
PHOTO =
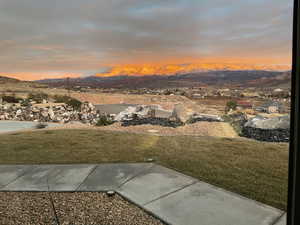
(254, 169)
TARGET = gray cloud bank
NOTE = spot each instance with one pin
(82, 36)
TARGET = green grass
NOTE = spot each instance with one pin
(254, 169)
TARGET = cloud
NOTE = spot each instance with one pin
(79, 36)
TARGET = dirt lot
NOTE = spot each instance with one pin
(166, 101)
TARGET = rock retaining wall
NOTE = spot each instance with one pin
(153, 121)
(272, 135)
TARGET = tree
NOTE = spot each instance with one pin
(230, 105)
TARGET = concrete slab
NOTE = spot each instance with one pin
(68, 177)
(11, 126)
(204, 204)
(282, 220)
(33, 180)
(153, 184)
(9, 173)
(111, 176)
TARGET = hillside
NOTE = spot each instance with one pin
(244, 78)
(4, 79)
(282, 80)
(8, 84)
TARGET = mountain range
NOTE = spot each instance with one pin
(238, 78)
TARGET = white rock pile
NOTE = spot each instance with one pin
(58, 113)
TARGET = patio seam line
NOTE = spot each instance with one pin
(92, 170)
(169, 193)
(138, 174)
(21, 175)
(49, 175)
(277, 219)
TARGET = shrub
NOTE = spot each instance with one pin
(76, 104)
(104, 121)
(25, 102)
(61, 98)
(11, 99)
(38, 97)
(230, 105)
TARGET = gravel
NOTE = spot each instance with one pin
(76, 208)
(25, 208)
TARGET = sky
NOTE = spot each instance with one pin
(58, 38)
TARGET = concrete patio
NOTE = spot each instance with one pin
(173, 197)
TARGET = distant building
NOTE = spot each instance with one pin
(271, 107)
(278, 90)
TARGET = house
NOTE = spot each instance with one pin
(271, 107)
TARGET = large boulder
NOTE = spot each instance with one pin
(275, 129)
(134, 112)
(281, 122)
(51, 113)
(205, 117)
(181, 113)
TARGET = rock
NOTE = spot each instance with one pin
(60, 113)
(181, 113)
(275, 129)
(91, 106)
(132, 112)
(44, 114)
(153, 131)
(205, 117)
(282, 122)
(152, 121)
(18, 112)
(51, 114)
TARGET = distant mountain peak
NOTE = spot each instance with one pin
(179, 69)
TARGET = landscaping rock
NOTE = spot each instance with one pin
(133, 112)
(181, 113)
(281, 122)
(59, 113)
(152, 121)
(275, 129)
(205, 117)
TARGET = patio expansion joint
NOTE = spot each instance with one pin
(133, 177)
(21, 175)
(170, 193)
(90, 173)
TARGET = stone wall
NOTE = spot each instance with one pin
(153, 121)
(272, 135)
